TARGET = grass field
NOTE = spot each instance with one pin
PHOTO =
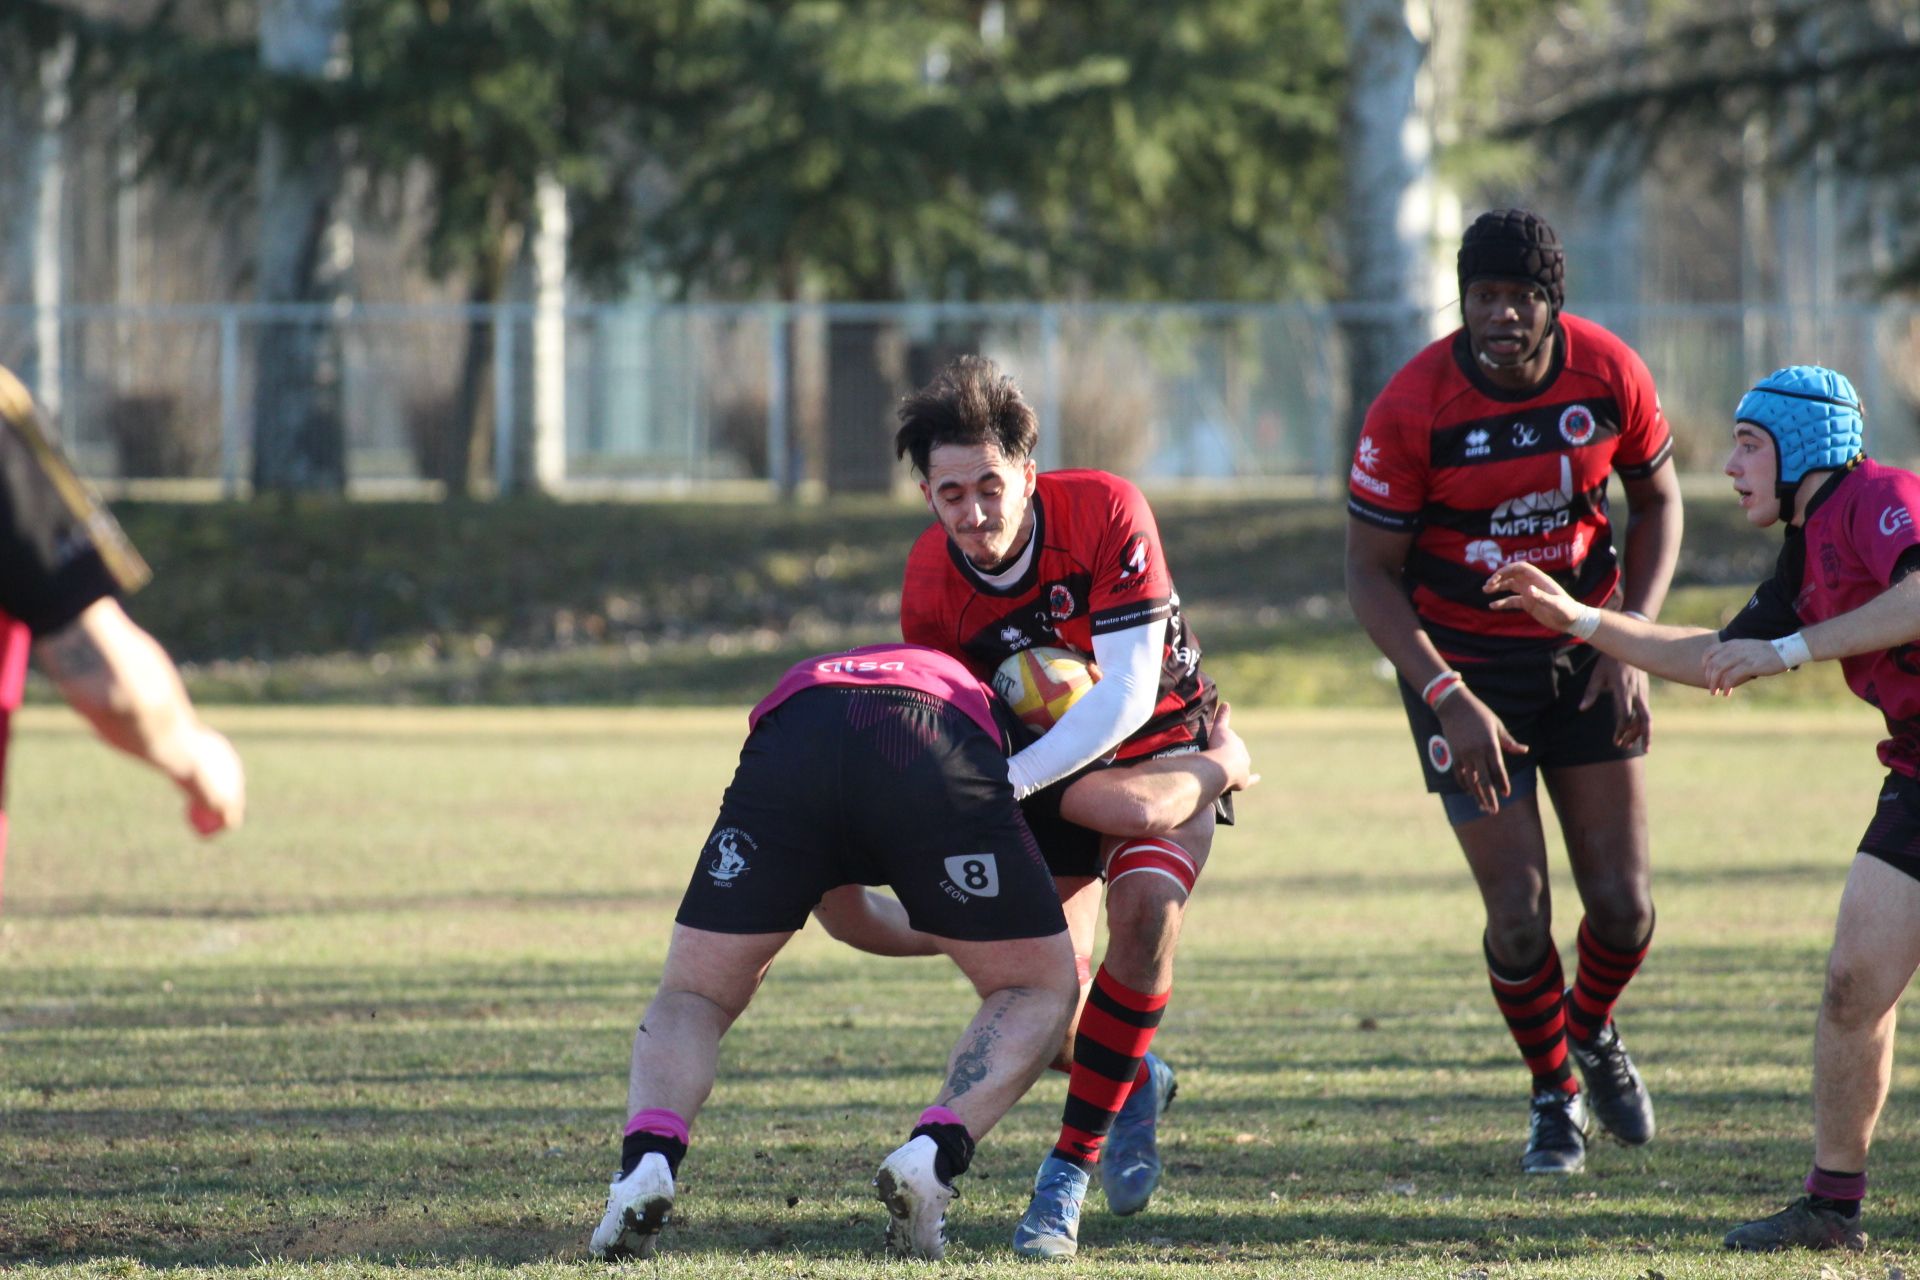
(384, 1029)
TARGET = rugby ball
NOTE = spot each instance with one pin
(1040, 684)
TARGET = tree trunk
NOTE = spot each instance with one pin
(859, 401)
(46, 212)
(1391, 202)
(470, 455)
(299, 439)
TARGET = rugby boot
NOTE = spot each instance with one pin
(1804, 1224)
(1615, 1093)
(1051, 1228)
(916, 1201)
(637, 1207)
(1556, 1134)
(1130, 1164)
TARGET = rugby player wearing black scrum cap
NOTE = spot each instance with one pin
(1494, 445)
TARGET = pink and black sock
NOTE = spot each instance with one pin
(1116, 1029)
(1602, 975)
(953, 1144)
(658, 1129)
(1840, 1192)
(1533, 1001)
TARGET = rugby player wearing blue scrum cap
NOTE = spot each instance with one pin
(1844, 589)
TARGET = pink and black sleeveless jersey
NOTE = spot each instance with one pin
(1481, 476)
(892, 666)
(1857, 540)
(1097, 567)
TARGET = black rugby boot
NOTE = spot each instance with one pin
(1615, 1092)
(1804, 1224)
(1556, 1134)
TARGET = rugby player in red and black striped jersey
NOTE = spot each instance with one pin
(1015, 560)
(1491, 446)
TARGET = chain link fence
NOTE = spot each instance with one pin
(632, 400)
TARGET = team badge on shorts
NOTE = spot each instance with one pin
(729, 862)
(1576, 424)
(1439, 754)
(972, 875)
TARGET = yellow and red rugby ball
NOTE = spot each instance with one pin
(1040, 684)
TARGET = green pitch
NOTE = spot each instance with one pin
(384, 1030)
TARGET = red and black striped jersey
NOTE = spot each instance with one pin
(1481, 476)
(1097, 568)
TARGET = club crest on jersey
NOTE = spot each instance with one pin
(1576, 424)
(1133, 558)
(1439, 753)
(729, 863)
(1060, 601)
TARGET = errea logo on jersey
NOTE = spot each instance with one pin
(1478, 445)
(851, 667)
(1894, 519)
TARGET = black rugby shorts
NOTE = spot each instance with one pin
(1537, 696)
(843, 785)
(1894, 834)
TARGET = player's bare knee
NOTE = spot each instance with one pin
(1621, 915)
(1854, 999)
(1519, 940)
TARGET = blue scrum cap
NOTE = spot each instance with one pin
(1814, 417)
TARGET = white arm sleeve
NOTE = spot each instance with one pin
(1121, 702)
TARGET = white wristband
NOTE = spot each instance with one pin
(1793, 650)
(1585, 623)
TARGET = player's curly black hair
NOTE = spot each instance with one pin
(971, 401)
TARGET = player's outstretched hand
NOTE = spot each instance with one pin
(217, 786)
(1521, 586)
(1231, 751)
(1731, 663)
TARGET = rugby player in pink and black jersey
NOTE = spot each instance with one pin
(1073, 559)
(883, 765)
(1495, 446)
(1845, 589)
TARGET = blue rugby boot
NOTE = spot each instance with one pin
(1130, 1165)
(1051, 1228)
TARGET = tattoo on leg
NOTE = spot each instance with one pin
(975, 1063)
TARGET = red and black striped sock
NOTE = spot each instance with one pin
(1532, 1000)
(1602, 975)
(1115, 1029)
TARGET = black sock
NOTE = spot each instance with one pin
(637, 1144)
(1845, 1208)
(955, 1149)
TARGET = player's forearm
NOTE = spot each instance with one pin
(871, 922)
(1672, 653)
(119, 679)
(1887, 621)
(1107, 716)
(1654, 525)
